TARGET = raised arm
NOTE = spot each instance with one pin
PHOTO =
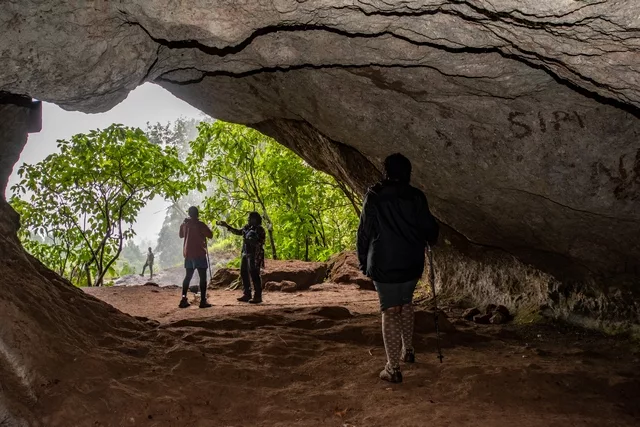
(230, 228)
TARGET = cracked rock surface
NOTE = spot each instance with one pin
(520, 117)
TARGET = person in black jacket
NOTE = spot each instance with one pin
(395, 228)
(253, 238)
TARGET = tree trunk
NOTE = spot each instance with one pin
(272, 242)
(88, 272)
(353, 198)
(306, 248)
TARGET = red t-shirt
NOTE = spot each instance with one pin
(195, 234)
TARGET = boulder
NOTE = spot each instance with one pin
(482, 318)
(490, 308)
(503, 310)
(470, 313)
(344, 269)
(154, 284)
(223, 278)
(497, 318)
(302, 274)
(283, 286)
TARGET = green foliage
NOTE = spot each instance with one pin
(77, 207)
(308, 214)
(85, 198)
(227, 244)
(177, 134)
(127, 269)
(131, 259)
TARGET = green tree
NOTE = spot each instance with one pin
(228, 156)
(176, 134)
(308, 214)
(86, 197)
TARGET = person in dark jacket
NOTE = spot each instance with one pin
(395, 228)
(195, 234)
(253, 238)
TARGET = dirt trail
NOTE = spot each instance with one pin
(312, 359)
(161, 303)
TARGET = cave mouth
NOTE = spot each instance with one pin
(177, 127)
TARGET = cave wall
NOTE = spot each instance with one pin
(46, 323)
(521, 118)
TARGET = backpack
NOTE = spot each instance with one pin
(251, 239)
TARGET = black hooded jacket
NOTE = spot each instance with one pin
(394, 230)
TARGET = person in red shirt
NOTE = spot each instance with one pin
(195, 234)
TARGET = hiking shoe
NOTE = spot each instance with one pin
(184, 303)
(409, 356)
(204, 304)
(255, 300)
(245, 298)
(393, 375)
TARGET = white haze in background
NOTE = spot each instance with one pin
(148, 103)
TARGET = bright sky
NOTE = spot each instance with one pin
(148, 103)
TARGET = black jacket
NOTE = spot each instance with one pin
(394, 230)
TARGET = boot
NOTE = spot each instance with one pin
(409, 356)
(257, 299)
(184, 303)
(393, 375)
(245, 298)
(203, 296)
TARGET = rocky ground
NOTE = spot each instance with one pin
(311, 358)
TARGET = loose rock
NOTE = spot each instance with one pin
(504, 311)
(482, 318)
(498, 318)
(470, 313)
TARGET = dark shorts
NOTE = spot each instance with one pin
(395, 294)
(195, 262)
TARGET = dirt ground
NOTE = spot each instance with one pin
(312, 359)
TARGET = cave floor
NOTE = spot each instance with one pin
(300, 359)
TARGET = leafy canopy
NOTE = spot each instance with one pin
(82, 201)
(307, 213)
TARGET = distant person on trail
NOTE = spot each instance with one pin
(395, 228)
(195, 234)
(148, 263)
(253, 236)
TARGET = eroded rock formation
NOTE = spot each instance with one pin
(520, 117)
